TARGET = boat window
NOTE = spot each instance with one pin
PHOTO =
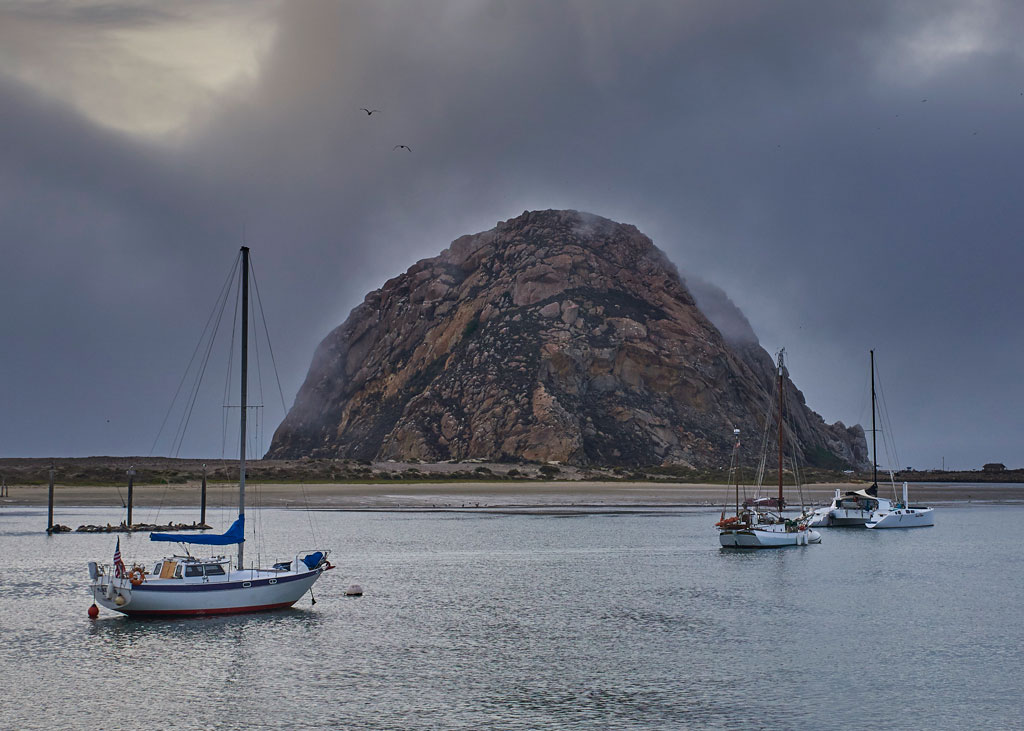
(156, 568)
(193, 570)
(177, 571)
(214, 569)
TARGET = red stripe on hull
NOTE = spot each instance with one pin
(199, 612)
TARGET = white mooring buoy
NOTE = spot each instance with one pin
(354, 590)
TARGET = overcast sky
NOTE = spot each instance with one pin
(850, 173)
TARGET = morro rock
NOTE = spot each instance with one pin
(556, 336)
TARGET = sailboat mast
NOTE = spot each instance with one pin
(781, 392)
(245, 384)
(736, 463)
(874, 447)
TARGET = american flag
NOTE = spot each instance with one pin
(119, 571)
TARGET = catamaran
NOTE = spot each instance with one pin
(762, 523)
(902, 515)
(188, 585)
(850, 508)
(865, 508)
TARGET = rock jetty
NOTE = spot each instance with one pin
(136, 527)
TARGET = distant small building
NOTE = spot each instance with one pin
(994, 467)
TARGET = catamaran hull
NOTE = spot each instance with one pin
(227, 597)
(820, 518)
(841, 517)
(757, 538)
(903, 518)
(830, 517)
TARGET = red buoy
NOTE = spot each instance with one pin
(94, 612)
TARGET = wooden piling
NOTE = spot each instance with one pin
(49, 512)
(131, 484)
(202, 500)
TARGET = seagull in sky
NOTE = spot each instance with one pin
(369, 111)
(401, 147)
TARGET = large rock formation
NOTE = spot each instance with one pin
(557, 335)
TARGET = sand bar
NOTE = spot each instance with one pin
(476, 495)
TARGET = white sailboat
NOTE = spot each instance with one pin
(758, 525)
(902, 515)
(865, 508)
(852, 509)
(188, 585)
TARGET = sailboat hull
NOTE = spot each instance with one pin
(839, 518)
(902, 518)
(767, 538)
(844, 517)
(243, 591)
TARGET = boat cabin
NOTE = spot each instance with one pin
(192, 568)
(167, 569)
(857, 500)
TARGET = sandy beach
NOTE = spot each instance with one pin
(474, 495)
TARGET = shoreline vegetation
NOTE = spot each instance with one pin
(353, 485)
(111, 471)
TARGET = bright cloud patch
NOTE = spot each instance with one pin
(139, 68)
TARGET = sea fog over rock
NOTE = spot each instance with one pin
(556, 336)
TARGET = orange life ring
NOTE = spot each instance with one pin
(136, 576)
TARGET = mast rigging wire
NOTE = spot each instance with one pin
(888, 441)
(270, 347)
(217, 311)
(230, 369)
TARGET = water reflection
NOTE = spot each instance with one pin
(186, 629)
(624, 621)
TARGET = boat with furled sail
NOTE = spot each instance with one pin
(866, 508)
(902, 515)
(761, 523)
(189, 585)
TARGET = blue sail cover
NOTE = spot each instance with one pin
(313, 560)
(234, 534)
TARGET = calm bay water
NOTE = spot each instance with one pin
(536, 621)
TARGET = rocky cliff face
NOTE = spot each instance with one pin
(557, 335)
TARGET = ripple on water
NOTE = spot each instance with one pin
(522, 622)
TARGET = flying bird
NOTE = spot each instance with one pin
(369, 111)
(401, 147)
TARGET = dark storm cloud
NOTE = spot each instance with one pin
(92, 233)
(781, 151)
